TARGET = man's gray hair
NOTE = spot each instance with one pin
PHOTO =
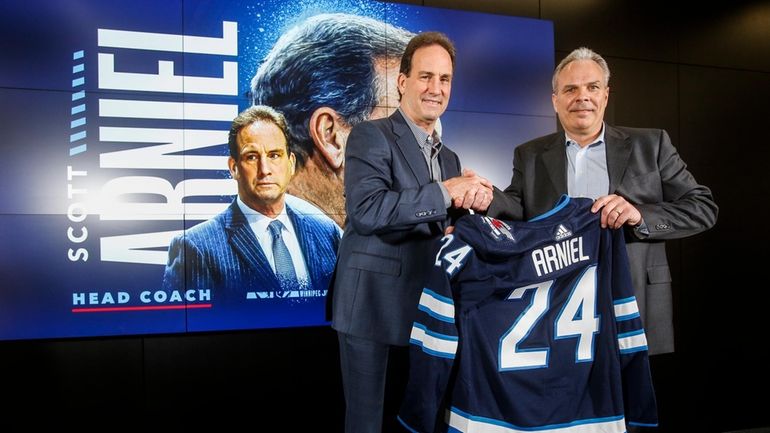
(582, 53)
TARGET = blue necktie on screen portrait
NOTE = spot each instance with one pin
(284, 266)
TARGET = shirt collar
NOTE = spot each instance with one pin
(599, 140)
(259, 222)
(419, 134)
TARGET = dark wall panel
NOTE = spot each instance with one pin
(724, 121)
(645, 95)
(288, 378)
(730, 35)
(72, 376)
(637, 30)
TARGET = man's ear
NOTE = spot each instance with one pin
(233, 167)
(553, 101)
(329, 135)
(401, 83)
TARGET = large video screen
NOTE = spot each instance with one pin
(115, 150)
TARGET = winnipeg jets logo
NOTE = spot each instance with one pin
(562, 232)
(499, 229)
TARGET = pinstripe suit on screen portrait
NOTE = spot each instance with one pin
(223, 255)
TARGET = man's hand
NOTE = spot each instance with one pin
(470, 191)
(616, 211)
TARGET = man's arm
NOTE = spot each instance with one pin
(185, 266)
(507, 204)
(687, 208)
(372, 203)
(173, 276)
(469, 191)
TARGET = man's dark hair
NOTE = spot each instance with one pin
(327, 60)
(255, 113)
(425, 39)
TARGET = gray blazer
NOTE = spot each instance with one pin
(395, 213)
(645, 169)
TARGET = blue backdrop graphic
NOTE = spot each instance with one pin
(115, 119)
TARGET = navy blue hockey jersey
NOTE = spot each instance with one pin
(529, 326)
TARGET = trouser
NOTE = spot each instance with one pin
(364, 365)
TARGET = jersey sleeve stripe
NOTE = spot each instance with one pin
(437, 306)
(433, 343)
(626, 309)
(435, 315)
(627, 317)
(634, 341)
(463, 422)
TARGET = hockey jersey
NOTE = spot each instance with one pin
(529, 326)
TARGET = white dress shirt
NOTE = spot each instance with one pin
(259, 222)
(587, 174)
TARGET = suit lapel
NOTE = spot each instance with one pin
(618, 152)
(307, 241)
(554, 160)
(449, 168)
(245, 244)
(409, 148)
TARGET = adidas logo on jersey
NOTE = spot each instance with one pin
(562, 232)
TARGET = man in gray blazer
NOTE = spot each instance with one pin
(635, 175)
(400, 184)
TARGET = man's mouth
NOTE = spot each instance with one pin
(581, 109)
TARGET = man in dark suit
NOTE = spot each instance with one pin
(400, 185)
(266, 245)
(635, 175)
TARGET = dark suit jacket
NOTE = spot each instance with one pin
(394, 216)
(645, 169)
(223, 254)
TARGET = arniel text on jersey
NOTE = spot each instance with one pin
(558, 256)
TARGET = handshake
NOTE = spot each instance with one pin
(470, 191)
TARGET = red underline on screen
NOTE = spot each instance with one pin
(145, 308)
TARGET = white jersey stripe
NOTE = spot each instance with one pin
(626, 309)
(632, 341)
(439, 307)
(471, 424)
(432, 343)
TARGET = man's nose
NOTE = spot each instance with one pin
(264, 167)
(434, 85)
(583, 94)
